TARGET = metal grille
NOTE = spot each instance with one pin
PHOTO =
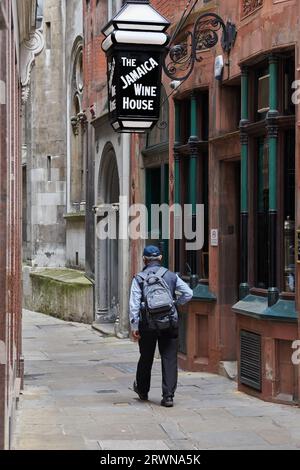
(250, 366)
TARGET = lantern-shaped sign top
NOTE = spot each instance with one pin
(135, 47)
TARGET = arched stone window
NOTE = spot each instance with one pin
(78, 123)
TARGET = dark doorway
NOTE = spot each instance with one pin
(157, 192)
(229, 266)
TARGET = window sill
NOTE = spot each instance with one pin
(264, 293)
(201, 292)
(257, 307)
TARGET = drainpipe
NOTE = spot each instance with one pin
(124, 248)
(192, 182)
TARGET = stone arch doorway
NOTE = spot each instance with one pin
(107, 250)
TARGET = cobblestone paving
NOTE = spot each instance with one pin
(78, 396)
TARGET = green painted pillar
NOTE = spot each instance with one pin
(272, 127)
(273, 86)
(192, 181)
(177, 183)
(244, 286)
(193, 140)
(273, 132)
(244, 140)
(176, 153)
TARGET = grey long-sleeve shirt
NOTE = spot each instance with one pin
(182, 290)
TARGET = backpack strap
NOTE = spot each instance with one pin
(161, 272)
(142, 276)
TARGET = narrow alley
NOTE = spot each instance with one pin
(78, 395)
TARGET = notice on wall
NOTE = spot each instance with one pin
(214, 237)
(134, 84)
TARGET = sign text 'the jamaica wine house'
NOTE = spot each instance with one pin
(134, 86)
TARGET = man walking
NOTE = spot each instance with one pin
(155, 291)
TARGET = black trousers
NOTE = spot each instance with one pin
(168, 347)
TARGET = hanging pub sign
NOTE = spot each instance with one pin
(134, 66)
(134, 84)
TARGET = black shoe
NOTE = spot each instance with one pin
(167, 402)
(142, 396)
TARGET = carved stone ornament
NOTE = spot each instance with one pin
(250, 6)
(29, 50)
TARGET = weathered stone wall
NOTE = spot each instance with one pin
(75, 232)
(75, 252)
(46, 146)
(62, 293)
(101, 141)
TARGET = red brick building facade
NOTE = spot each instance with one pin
(15, 25)
(246, 170)
(244, 167)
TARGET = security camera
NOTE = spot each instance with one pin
(219, 67)
(175, 84)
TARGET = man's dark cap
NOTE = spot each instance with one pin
(151, 251)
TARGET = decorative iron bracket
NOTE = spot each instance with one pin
(180, 58)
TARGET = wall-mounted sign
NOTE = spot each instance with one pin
(134, 87)
(214, 237)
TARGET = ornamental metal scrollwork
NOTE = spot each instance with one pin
(179, 62)
(180, 59)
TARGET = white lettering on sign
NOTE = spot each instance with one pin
(138, 104)
(141, 90)
(112, 105)
(139, 72)
(112, 71)
(128, 62)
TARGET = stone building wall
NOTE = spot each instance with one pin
(45, 140)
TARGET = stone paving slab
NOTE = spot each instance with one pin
(145, 444)
(78, 395)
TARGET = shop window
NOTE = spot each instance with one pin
(262, 212)
(262, 88)
(286, 213)
(289, 211)
(195, 262)
(157, 193)
(288, 79)
(202, 117)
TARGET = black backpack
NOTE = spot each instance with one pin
(158, 303)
